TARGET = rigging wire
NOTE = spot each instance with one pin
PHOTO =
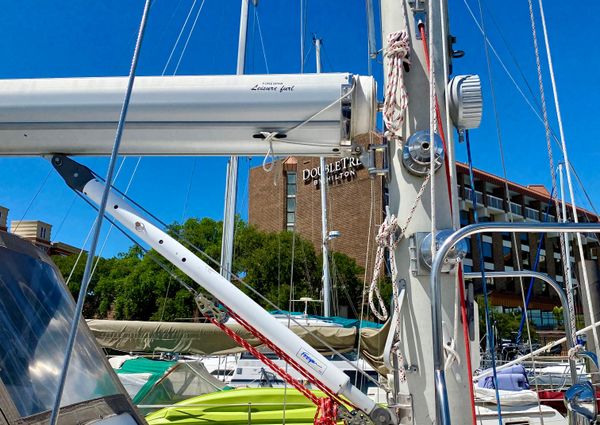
(98, 225)
(36, 194)
(62, 222)
(489, 334)
(189, 36)
(181, 31)
(262, 43)
(565, 153)
(516, 243)
(460, 306)
(187, 18)
(538, 252)
(525, 98)
(548, 133)
(189, 189)
(98, 257)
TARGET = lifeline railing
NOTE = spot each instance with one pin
(441, 395)
(561, 294)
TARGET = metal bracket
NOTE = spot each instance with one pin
(420, 19)
(419, 14)
(209, 309)
(413, 254)
(371, 160)
(354, 417)
(417, 5)
(389, 343)
(404, 409)
(420, 269)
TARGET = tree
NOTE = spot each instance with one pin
(132, 286)
(345, 277)
(73, 266)
(265, 261)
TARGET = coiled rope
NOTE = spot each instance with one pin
(396, 97)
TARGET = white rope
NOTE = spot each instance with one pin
(451, 354)
(268, 139)
(388, 237)
(568, 171)
(385, 239)
(396, 98)
(574, 351)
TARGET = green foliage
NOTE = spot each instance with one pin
(132, 286)
(506, 325)
(557, 312)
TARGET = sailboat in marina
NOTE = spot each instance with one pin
(423, 352)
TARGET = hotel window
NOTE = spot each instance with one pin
(464, 218)
(487, 251)
(507, 254)
(290, 220)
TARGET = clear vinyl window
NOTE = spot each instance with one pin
(35, 313)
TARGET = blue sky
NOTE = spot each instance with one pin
(95, 38)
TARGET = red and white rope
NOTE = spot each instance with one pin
(396, 98)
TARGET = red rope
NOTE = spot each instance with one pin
(465, 326)
(260, 356)
(327, 407)
(439, 120)
(326, 412)
(463, 306)
(292, 362)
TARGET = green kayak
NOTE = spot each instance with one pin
(240, 407)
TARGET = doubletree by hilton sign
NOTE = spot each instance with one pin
(338, 172)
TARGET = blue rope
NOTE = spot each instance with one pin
(489, 336)
(535, 267)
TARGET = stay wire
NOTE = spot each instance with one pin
(262, 43)
(187, 41)
(520, 91)
(490, 339)
(187, 18)
(532, 281)
(32, 200)
(98, 225)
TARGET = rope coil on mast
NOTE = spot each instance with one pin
(395, 105)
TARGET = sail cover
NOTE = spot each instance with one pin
(203, 338)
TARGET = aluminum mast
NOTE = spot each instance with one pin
(232, 165)
(323, 186)
(416, 335)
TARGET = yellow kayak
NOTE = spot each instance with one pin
(241, 407)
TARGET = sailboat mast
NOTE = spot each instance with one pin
(415, 336)
(323, 185)
(233, 165)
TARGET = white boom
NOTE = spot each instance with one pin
(188, 115)
(81, 179)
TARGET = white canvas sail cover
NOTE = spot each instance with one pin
(311, 114)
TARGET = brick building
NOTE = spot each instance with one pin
(290, 195)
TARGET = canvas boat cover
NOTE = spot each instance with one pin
(203, 338)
